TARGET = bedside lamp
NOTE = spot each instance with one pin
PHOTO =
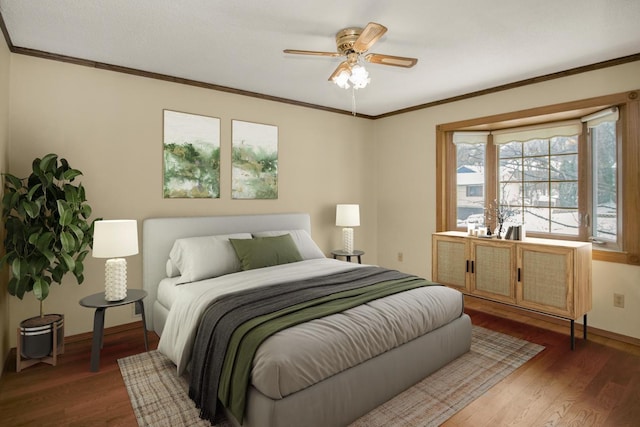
(347, 216)
(115, 239)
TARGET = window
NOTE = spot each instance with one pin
(566, 171)
(475, 190)
(603, 142)
(538, 176)
(470, 178)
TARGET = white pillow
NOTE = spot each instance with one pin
(306, 246)
(200, 258)
(172, 269)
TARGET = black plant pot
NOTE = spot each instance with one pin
(36, 335)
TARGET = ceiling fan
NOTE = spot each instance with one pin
(354, 43)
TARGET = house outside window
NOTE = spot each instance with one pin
(475, 190)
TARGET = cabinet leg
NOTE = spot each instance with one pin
(573, 335)
(584, 330)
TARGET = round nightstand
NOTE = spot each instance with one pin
(98, 302)
(339, 252)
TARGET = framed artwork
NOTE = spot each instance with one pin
(191, 156)
(254, 165)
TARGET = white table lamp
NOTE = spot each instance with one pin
(347, 216)
(115, 239)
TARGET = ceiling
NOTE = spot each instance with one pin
(462, 46)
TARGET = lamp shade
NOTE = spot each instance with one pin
(115, 238)
(347, 215)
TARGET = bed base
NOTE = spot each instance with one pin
(343, 398)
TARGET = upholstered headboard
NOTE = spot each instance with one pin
(159, 234)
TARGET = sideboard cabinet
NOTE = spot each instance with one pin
(552, 277)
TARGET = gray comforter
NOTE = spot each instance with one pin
(227, 313)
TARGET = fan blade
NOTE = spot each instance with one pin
(310, 52)
(342, 67)
(396, 61)
(371, 33)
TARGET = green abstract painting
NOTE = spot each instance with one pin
(254, 171)
(191, 156)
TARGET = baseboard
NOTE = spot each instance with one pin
(107, 331)
(4, 363)
(503, 310)
(611, 335)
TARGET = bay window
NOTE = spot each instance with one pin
(567, 171)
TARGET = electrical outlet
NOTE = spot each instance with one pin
(618, 300)
(400, 256)
(136, 310)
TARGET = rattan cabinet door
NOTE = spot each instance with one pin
(450, 259)
(493, 269)
(546, 279)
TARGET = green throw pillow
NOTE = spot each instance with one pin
(266, 251)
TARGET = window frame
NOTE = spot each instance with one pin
(617, 244)
(629, 179)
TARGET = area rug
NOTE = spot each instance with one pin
(159, 397)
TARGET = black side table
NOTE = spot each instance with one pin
(339, 252)
(98, 302)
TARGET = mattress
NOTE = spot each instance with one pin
(168, 291)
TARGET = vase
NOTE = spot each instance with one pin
(36, 335)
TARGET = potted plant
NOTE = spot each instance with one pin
(48, 234)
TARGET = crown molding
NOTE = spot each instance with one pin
(141, 73)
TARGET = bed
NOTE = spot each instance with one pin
(300, 389)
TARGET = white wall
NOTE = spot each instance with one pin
(407, 173)
(109, 125)
(5, 58)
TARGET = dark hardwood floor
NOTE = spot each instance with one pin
(598, 384)
(69, 394)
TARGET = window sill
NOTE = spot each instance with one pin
(614, 256)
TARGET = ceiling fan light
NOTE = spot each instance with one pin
(342, 79)
(359, 77)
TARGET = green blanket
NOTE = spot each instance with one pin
(246, 339)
